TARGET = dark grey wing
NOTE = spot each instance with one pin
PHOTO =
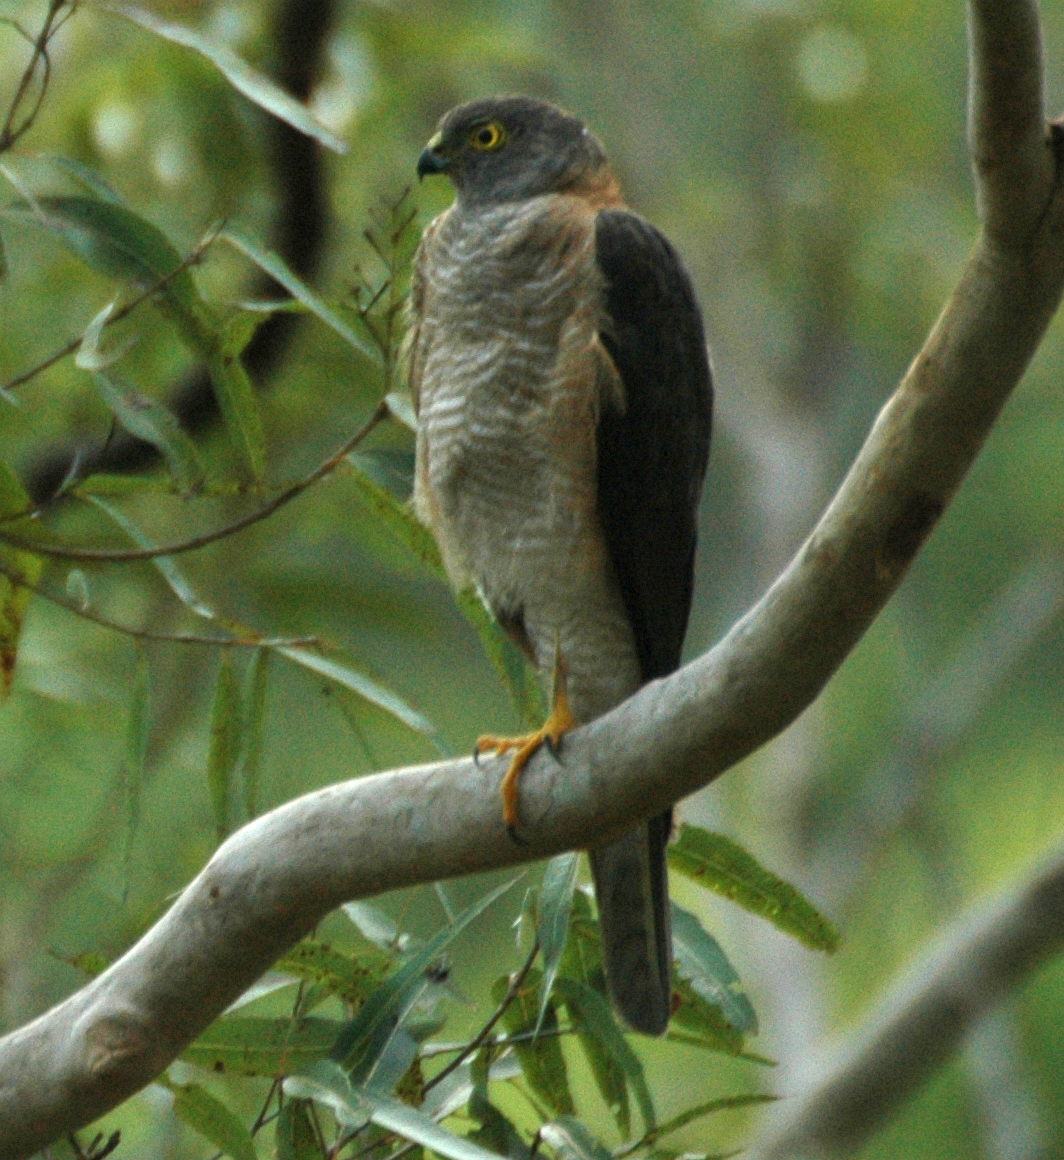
(651, 460)
(652, 454)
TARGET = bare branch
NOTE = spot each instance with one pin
(273, 880)
(922, 1022)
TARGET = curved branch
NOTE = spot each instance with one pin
(924, 1019)
(272, 881)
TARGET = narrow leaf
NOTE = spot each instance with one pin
(572, 1140)
(252, 1045)
(211, 1119)
(593, 1017)
(246, 80)
(355, 1048)
(226, 732)
(237, 402)
(358, 682)
(541, 1058)
(274, 265)
(718, 863)
(254, 697)
(352, 977)
(702, 961)
(118, 243)
(150, 420)
(327, 1083)
(555, 905)
(294, 1135)
(17, 569)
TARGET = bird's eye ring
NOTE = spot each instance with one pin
(488, 136)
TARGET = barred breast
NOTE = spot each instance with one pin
(510, 377)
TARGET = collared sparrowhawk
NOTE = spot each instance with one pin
(560, 376)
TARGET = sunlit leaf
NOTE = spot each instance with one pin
(715, 861)
(704, 964)
(254, 85)
(206, 1115)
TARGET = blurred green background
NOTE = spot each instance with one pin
(809, 161)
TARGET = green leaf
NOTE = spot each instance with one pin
(17, 569)
(254, 699)
(237, 402)
(541, 1058)
(572, 1140)
(698, 1112)
(150, 420)
(116, 242)
(164, 565)
(555, 906)
(251, 1045)
(593, 1017)
(273, 265)
(210, 1118)
(223, 752)
(294, 1135)
(246, 80)
(327, 1083)
(366, 1035)
(358, 682)
(352, 977)
(704, 964)
(718, 863)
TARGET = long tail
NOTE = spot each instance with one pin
(631, 887)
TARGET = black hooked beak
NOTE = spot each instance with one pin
(431, 161)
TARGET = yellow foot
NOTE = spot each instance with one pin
(560, 721)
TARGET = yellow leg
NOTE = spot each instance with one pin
(558, 723)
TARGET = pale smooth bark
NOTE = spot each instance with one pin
(269, 884)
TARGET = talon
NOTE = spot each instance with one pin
(560, 721)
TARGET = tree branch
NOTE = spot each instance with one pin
(922, 1022)
(273, 880)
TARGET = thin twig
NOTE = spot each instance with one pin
(123, 555)
(86, 613)
(191, 259)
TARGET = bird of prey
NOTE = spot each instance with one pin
(559, 371)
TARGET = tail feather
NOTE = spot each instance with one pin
(631, 887)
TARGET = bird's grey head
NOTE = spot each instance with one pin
(509, 148)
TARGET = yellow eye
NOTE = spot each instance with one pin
(487, 136)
